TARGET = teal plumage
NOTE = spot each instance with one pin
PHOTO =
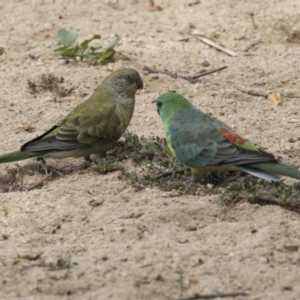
(206, 144)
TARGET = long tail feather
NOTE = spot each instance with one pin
(16, 156)
(278, 168)
(270, 170)
(259, 173)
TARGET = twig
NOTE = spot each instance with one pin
(216, 46)
(265, 95)
(213, 44)
(212, 296)
(191, 79)
(253, 43)
(153, 7)
(165, 174)
(253, 93)
(124, 56)
(258, 199)
(34, 185)
(291, 96)
(209, 72)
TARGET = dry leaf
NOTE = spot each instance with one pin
(275, 97)
(27, 127)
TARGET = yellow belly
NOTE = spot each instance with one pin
(203, 170)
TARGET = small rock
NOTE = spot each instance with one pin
(291, 248)
(205, 63)
(292, 140)
(193, 2)
(30, 255)
(95, 203)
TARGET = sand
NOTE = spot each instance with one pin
(148, 244)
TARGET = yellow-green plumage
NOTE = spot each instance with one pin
(91, 127)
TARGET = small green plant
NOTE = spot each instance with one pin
(49, 82)
(84, 51)
(15, 262)
(154, 166)
(60, 265)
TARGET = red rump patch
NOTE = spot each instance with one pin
(233, 137)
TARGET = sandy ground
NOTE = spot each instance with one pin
(148, 244)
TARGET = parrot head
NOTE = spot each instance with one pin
(171, 103)
(124, 82)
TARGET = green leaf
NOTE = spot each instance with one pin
(61, 49)
(84, 51)
(109, 51)
(107, 55)
(66, 51)
(93, 49)
(85, 43)
(65, 37)
(113, 44)
(1, 50)
(15, 262)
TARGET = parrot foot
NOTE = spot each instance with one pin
(87, 158)
(196, 177)
(233, 178)
(87, 161)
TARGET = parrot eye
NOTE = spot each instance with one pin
(159, 104)
(128, 78)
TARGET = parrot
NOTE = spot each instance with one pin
(205, 144)
(91, 127)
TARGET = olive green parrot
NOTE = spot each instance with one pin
(206, 144)
(90, 128)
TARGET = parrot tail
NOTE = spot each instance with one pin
(16, 155)
(269, 171)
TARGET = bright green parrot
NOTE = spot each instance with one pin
(206, 144)
(90, 128)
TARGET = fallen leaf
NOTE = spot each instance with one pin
(275, 97)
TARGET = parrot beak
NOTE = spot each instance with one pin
(158, 106)
(140, 84)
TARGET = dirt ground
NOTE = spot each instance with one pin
(149, 244)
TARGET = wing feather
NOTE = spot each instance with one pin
(198, 141)
(90, 123)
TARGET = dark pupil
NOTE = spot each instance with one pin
(128, 78)
(159, 104)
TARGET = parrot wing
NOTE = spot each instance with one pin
(199, 141)
(86, 125)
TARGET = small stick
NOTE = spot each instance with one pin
(255, 94)
(212, 296)
(290, 96)
(214, 45)
(34, 185)
(191, 79)
(153, 7)
(265, 95)
(209, 72)
(253, 43)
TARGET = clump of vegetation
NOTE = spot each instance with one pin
(49, 82)
(1, 50)
(60, 264)
(84, 51)
(255, 190)
(155, 166)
